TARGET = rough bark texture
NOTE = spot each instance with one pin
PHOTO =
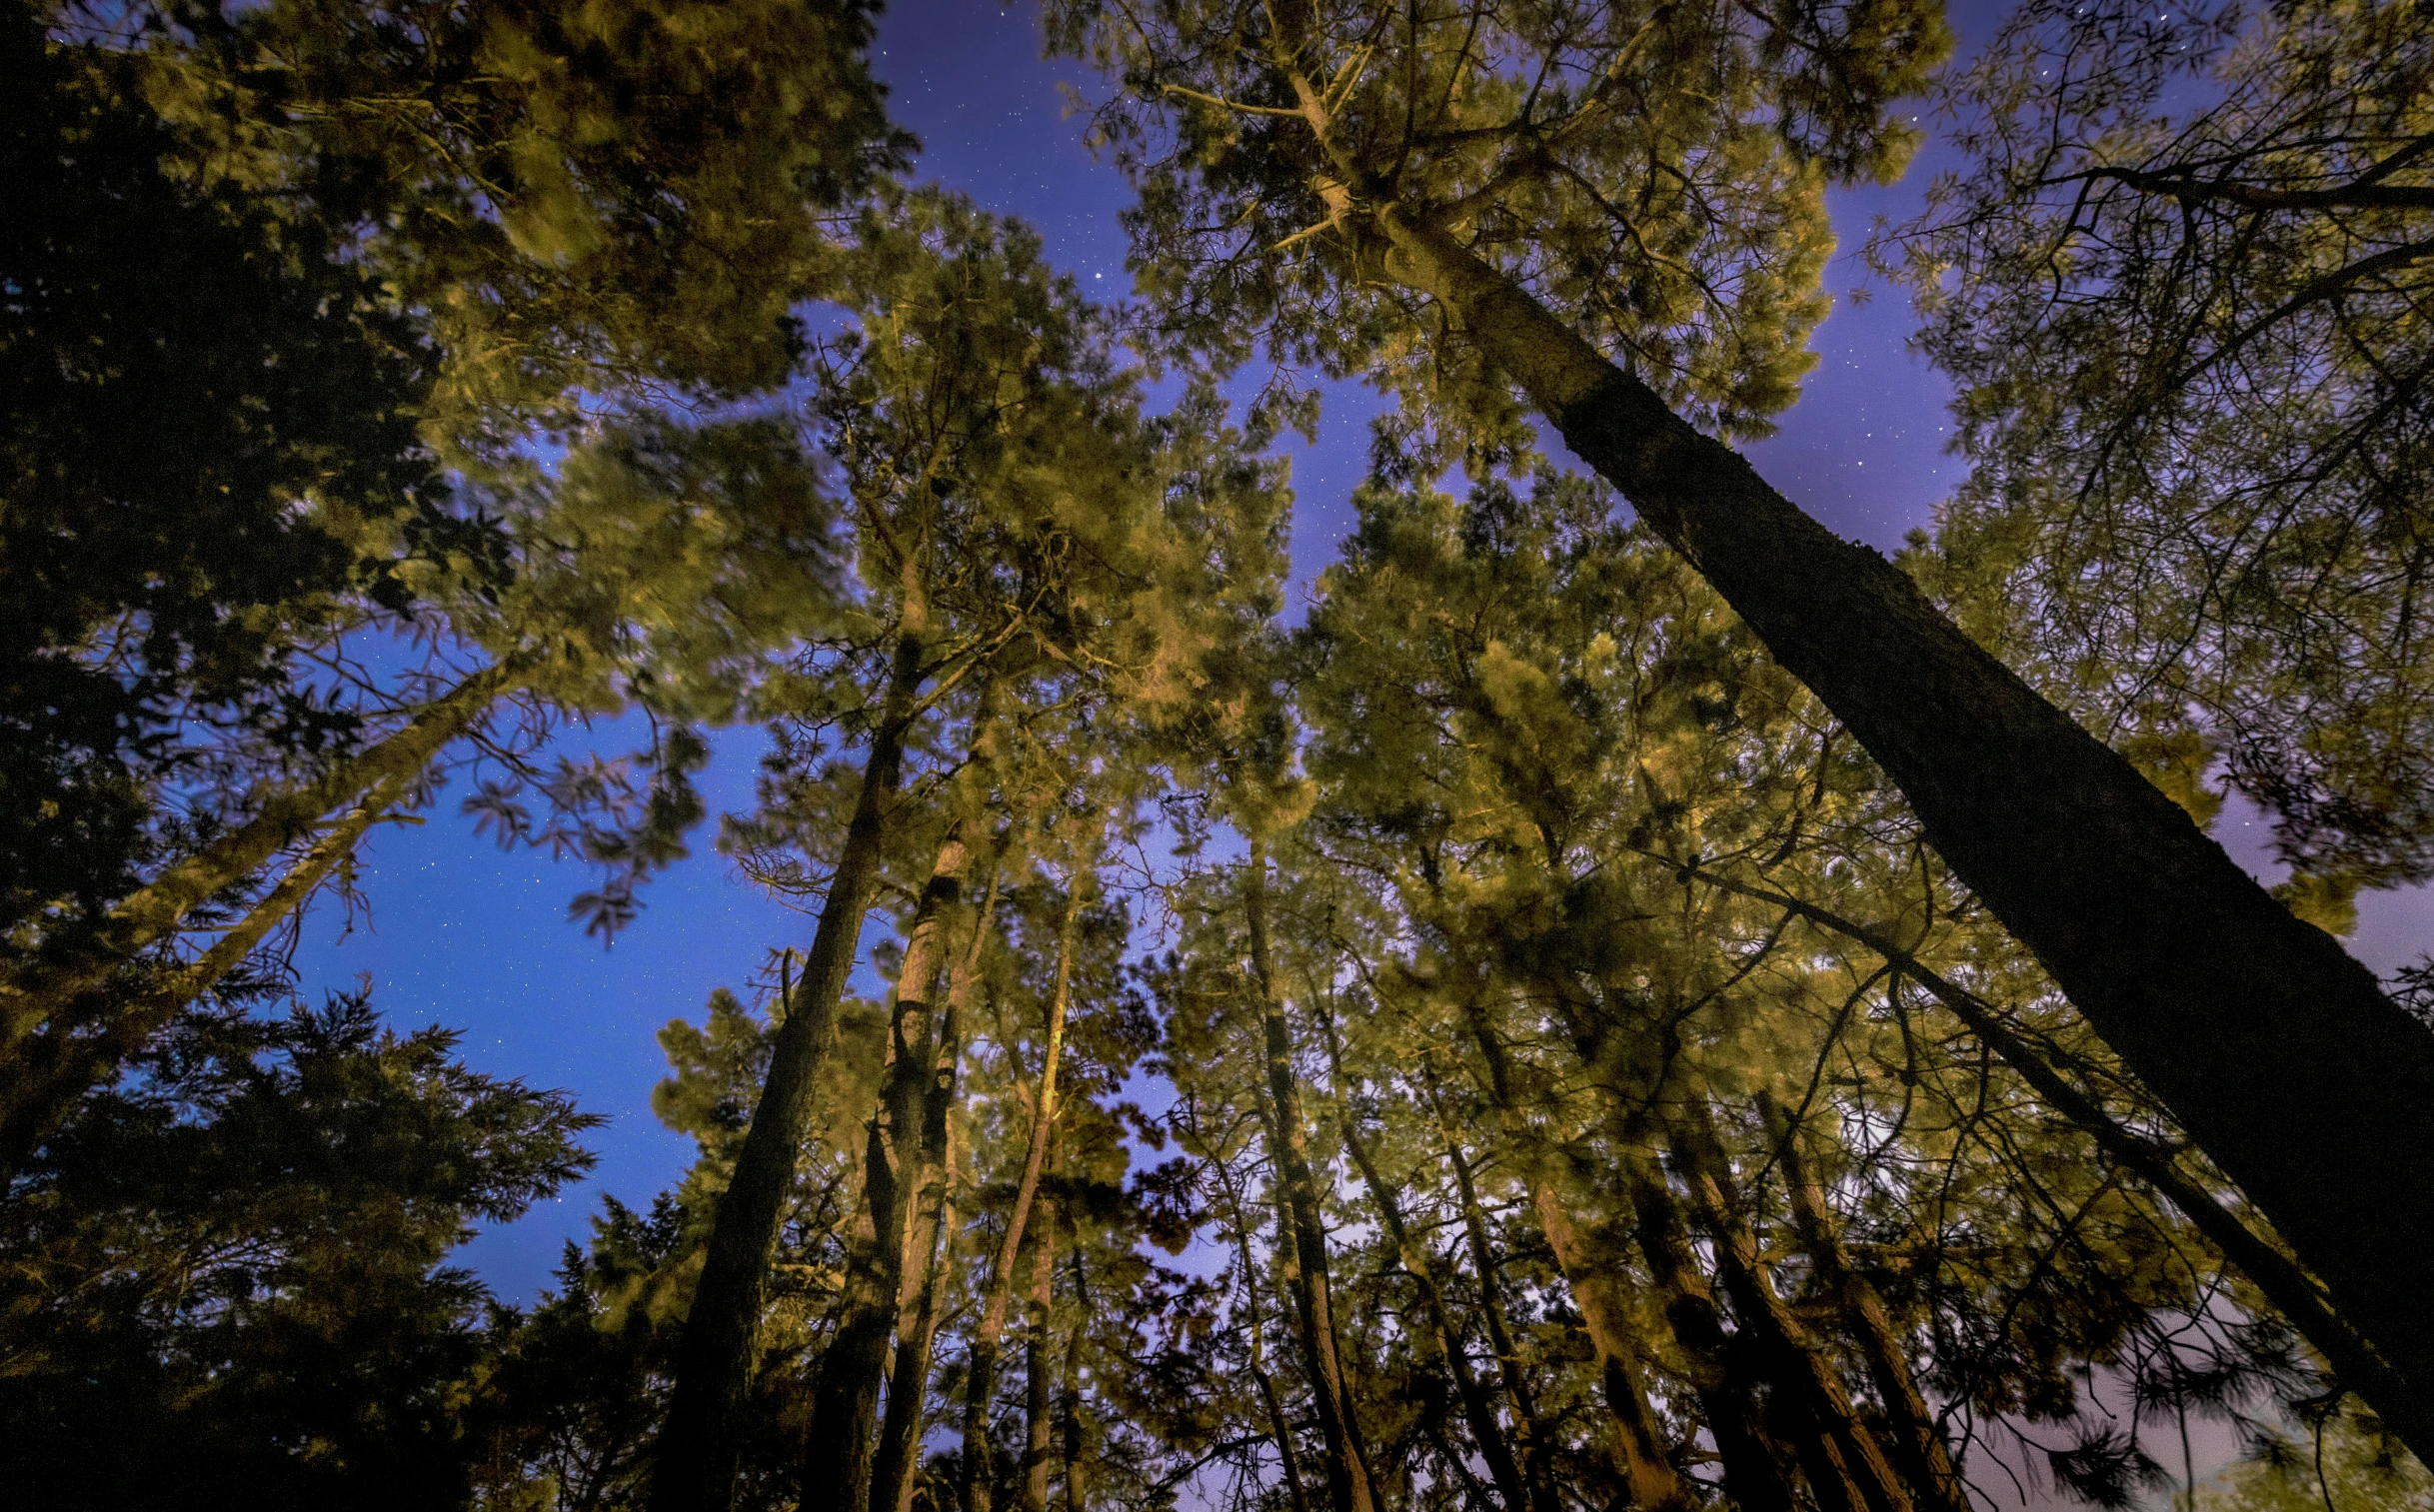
(1917, 1437)
(1347, 1474)
(2276, 1051)
(838, 1447)
(696, 1449)
(981, 1372)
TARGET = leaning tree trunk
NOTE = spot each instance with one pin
(2406, 1405)
(837, 1444)
(1918, 1444)
(49, 1052)
(980, 1369)
(1347, 1474)
(697, 1446)
(2276, 1051)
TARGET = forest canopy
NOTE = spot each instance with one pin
(1612, 1000)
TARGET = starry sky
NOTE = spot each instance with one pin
(465, 935)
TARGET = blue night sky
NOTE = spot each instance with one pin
(465, 935)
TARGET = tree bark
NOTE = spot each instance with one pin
(1441, 1338)
(696, 1448)
(2278, 1053)
(46, 1061)
(1347, 1474)
(838, 1447)
(1846, 1468)
(899, 1431)
(1920, 1450)
(1753, 1476)
(1075, 1438)
(56, 1068)
(1039, 1394)
(980, 1373)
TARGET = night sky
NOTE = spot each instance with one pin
(465, 935)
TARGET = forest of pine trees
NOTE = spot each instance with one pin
(1614, 1000)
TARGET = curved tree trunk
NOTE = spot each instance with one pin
(1348, 1473)
(696, 1448)
(2278, 1051)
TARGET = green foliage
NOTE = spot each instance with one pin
(2181, 287)
(1653, 172)
(228, 1283)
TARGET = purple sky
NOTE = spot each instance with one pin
(467, 936)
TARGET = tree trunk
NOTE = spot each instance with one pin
(46, 1063)
(56, 1068)
(1039, 1394)
(1753, 1476)
(838, 1448)
(1280, 1428)
(1441, 1338)
(1348, 1475)
(696, 1448)
(1639, 1442)
(1846, 1468)
(2402, 1402)
(899, 1432)
(1543, 1496)
(1076, 1439)
(980, 1373)
(1920, 1450)
(2278, 1053)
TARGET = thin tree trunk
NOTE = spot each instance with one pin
(899, 1431)
(1846, 1467)
(1347, 1474)
(2278, 1051)
(1639, 1443)
(1492, 1310)
(697, 1447)
(1278, 1426)
(46, 1063)
(838, 1446)
(1753, 1476)
(980, 1373)
(1441, 1338)
(1919, 1449)
(1039, 1394)
(1076, 1439)
(2399, 1400)
(56, 1068)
